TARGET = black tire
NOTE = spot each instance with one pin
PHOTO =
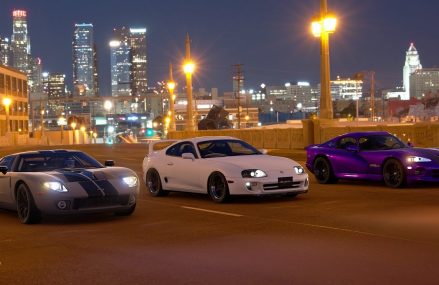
(394, 175)
(218, 188)
(323, 171)
(26, 209)
(127, 212)
(154, 183)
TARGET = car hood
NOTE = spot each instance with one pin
(257, 161)
(430, 153)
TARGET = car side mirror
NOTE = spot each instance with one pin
(109, 163)
(410, 144)
(188, 155)
(353, 148)
(4, 169)
(263, 151)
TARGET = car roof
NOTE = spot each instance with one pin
(359, 134)
(209, 138)
(46, 151)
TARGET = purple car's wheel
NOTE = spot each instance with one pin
(323, 171)
(394, 174)
(154, 183)
(218, 188)
(26, 209)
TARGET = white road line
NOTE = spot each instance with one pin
(211, 211)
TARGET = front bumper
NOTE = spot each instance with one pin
(422, 173)
(267, 186)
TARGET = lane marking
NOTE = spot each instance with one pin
(211, 211)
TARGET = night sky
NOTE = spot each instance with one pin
(271, 38)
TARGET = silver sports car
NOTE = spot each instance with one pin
(56, 182)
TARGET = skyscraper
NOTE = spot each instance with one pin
(412, 63)
(84, 62)
(20, 42)
(121, 64)
(137, 42)
(5, 51)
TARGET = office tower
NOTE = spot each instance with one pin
(137, 42)
(412, 63)
(20, 42)
(35, 79)
(5, 51)
(424, 82)
(56, 86)
(84, 62)
(346, 89)
(121, 64)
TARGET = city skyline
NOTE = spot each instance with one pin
(273, 43)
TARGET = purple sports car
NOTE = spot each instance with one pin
(372, 156)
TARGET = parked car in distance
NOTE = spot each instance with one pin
(56, 182)
(220, 167)
(378, 156)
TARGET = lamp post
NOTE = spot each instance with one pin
(73, 126)
(171, 87)
(322, 27)
(189, 68)
(7, 102)
(83, 133)
(42, 121)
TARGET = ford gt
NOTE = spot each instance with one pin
(56, 182)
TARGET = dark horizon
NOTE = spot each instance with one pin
(272, 40)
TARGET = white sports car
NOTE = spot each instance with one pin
(64, 182)
(219, 166)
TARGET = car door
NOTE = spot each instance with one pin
(346, 161)
(5, 180)
(180, 173)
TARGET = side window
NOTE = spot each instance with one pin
(7, 161)
(174, 150)
(345, 142)
(187, 147)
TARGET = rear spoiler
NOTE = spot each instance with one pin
(156, 145)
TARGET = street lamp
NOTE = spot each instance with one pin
(73, 126)
(171, 87)
(189, 68)
(321, 28)
(42, 122)
(7, 102)
(83, 133)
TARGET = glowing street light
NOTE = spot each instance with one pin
(73, 126)
(189, 68)
(7, 102)
(321, 28)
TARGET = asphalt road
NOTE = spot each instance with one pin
(347, 233)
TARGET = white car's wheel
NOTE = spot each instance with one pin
(154, 183)
(218, 188)
(26, 209)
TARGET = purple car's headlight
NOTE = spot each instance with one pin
(253, 173)
(417, 159)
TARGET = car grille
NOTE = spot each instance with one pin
(95, 202)
(279, 186)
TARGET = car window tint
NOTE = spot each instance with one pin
(221, 148)
(7, 161)
(187, 148)
(174, 150)
(380, 142)
(49, 161)
(343, 143)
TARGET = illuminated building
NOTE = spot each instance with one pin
(121, 66)
(5, 51)
(20, 42)
(424, 82)
(13, 87)
(137, 42)
(412, 63)
(346, 89)
(84, 62)
(56, 86)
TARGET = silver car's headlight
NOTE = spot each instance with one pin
(131, 181)
(299, 170)
(418, 159)
(55, 186)
(253, 173)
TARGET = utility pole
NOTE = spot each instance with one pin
(239, 78)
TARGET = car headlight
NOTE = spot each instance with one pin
(131, 181)
(253, 173)
(299, 170)
(418, 159)
(55, 186)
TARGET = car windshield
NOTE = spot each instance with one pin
(222, 148)
(49, 161)
(380, 142)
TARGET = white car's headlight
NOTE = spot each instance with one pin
(253, 173)
(299, 170)
(131, 181)
(55, 186)
(418, 159)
